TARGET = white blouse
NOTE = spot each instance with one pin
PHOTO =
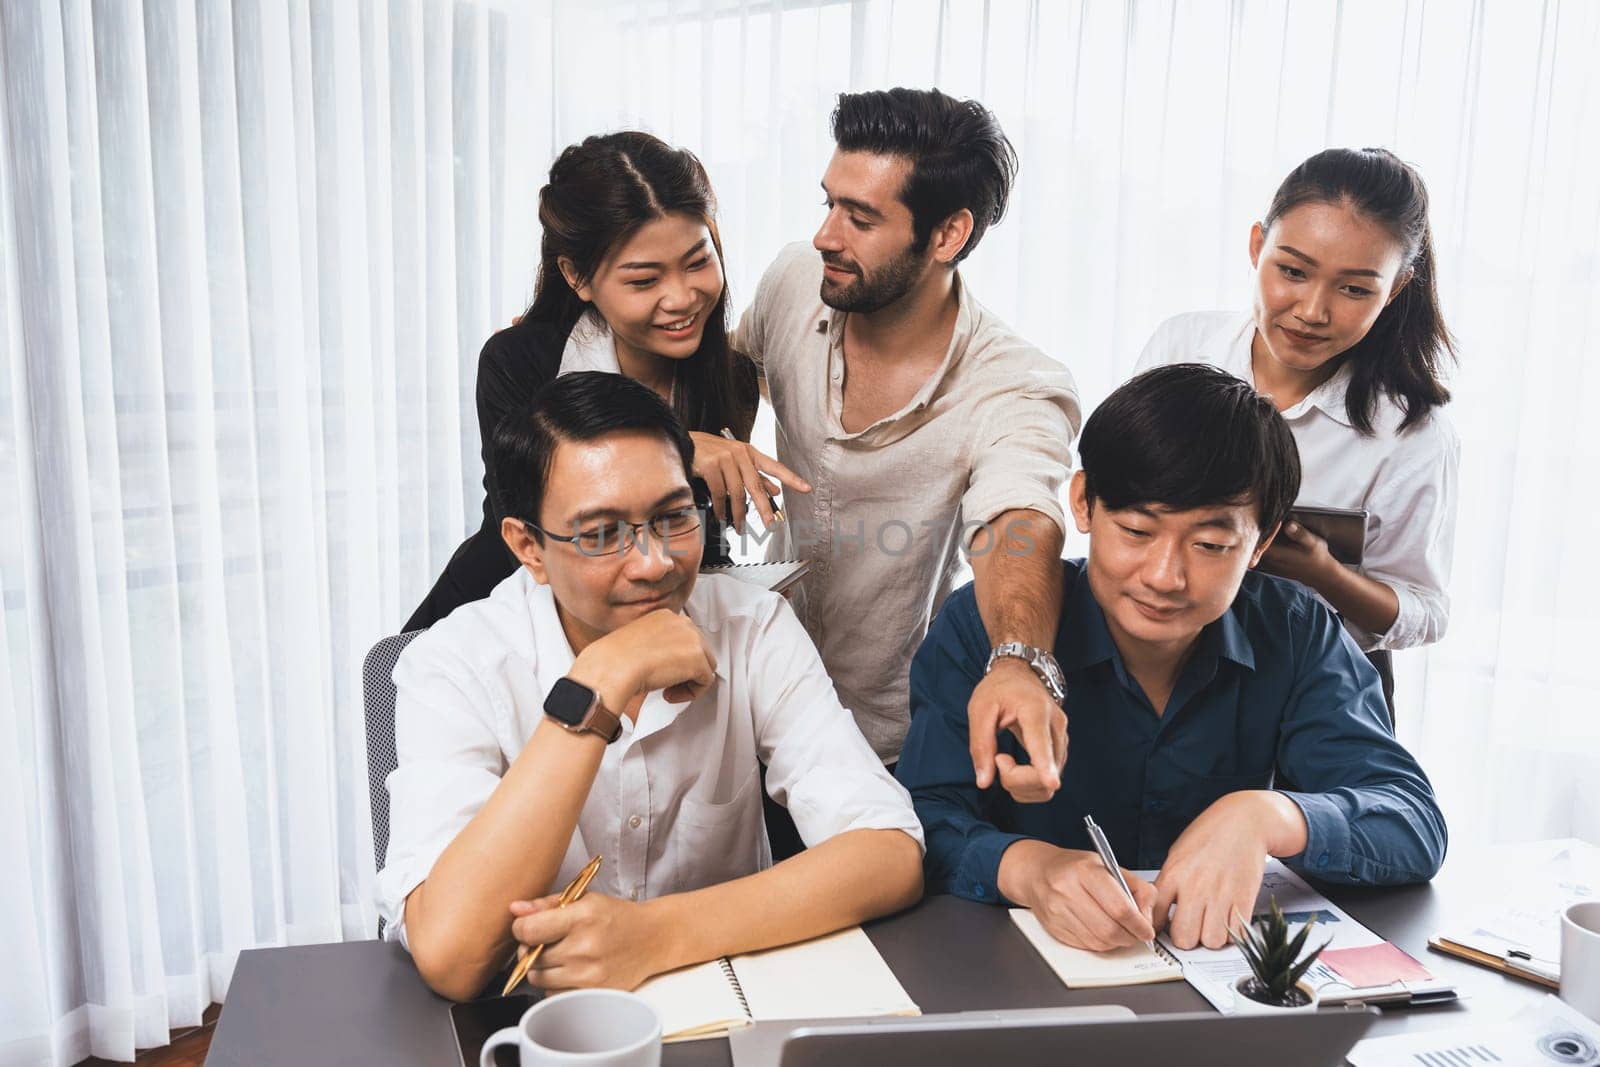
(1406, 481)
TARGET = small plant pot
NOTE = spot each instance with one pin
(1244, 1004)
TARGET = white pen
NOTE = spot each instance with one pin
(1109, 858)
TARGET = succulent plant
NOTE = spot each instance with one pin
(1274, 957)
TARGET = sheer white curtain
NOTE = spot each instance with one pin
(1151, 135)
(248, 252)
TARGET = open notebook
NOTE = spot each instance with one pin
(1081, 969)
(840, 975)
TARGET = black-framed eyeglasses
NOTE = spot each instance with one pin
(616, 537)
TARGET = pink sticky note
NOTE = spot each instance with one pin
(1373, 965)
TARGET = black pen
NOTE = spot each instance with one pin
(773, 504)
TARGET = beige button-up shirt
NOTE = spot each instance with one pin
(892, 506)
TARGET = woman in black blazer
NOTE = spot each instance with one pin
(631, 282)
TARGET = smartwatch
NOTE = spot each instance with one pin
(579, 709)
(1042, 663)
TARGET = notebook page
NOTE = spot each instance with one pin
(693, 1000)
(838, 975)
(1081, 969)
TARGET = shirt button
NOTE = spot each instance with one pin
(633, 894)
(1322, 860)
(978, 890)
(634, 822)
(1155, 804)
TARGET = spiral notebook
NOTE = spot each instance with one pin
(1081, 969)
(776, 576)
(840, 975)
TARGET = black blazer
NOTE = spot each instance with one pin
(513, 366)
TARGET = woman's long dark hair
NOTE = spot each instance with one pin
(600, 192)
(1404, 352)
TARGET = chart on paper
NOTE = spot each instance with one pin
(1213, 972)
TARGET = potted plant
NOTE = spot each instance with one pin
(1274, 983)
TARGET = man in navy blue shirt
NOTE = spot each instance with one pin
(1216, 715)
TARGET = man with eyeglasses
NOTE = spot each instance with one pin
(608, 700)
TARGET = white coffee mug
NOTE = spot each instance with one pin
(1580, 958)
(587, 1027)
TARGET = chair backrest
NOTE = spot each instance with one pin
(377, 689)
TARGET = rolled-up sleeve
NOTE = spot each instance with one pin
(1023, 449)
(1412, 550)
(818, 764)
(964, 847)
(1370, 812)
(448, 763)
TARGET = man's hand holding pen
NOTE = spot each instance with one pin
(596, 941)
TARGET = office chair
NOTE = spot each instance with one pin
(378, 695)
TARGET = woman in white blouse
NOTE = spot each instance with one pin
(1345, 335)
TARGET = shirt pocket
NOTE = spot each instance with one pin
(718, 841)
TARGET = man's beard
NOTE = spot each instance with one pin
(876, 290)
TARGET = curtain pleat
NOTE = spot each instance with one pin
(250, 251)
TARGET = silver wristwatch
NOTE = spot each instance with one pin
(1042, 663)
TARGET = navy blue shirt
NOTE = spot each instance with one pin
(1276, 695)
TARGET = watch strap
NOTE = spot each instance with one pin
(602, 720)
(561, 705)
(1042, 663)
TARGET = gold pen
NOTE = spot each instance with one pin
(569, 895)
(777, 512)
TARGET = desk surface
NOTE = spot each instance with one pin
(362, 1002)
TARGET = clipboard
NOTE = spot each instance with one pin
(1528, 969)
(777, 576)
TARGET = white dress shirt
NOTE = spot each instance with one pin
(892, 505)
(676, 804)
(1406, 481)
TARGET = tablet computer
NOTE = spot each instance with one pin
(1345, 529)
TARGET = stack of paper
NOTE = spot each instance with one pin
(1523, 936)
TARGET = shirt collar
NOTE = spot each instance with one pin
(1086, 640)
(832, 322)
(590, 347)
(1327, 397)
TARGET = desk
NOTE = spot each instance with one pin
(362, 1002)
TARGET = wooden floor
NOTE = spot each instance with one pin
(188, 1047)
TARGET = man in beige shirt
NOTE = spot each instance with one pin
(924, 425)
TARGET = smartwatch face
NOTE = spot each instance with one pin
(568, 701)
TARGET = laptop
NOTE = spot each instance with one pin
(760, 1044)
(1203, 1039)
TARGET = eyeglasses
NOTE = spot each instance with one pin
(615, 538)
